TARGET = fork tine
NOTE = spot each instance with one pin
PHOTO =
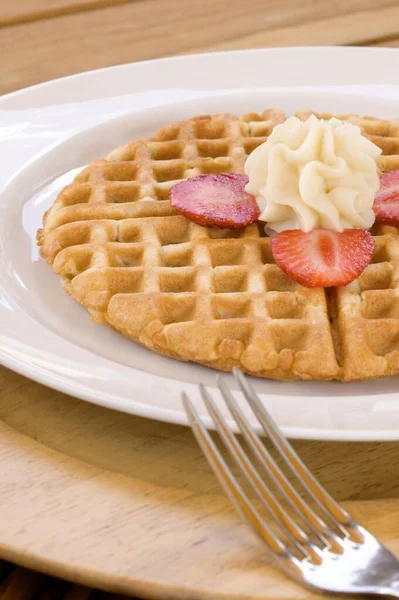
(232, 488)
(329, 507)
(307, 516)
(277, 513)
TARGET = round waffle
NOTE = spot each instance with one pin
(216, 296)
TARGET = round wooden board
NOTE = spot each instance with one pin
(130, 505)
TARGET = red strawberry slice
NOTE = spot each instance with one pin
(323, 258)
(215, 200)
(386, 201)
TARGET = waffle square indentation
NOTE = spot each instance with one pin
(177, 255)
(230, 279)
(166, 150)
(230, 307)
(128, 255)
(177, 280)
(209, 129)
(277, 281)
(120, 171)
(283, 305)
(122, 192)
(212, 148)
(168, 170)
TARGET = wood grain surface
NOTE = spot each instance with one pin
(34, 10)
(125, 504)
(130, 505)
(54, 47)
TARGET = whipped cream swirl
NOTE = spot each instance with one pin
(314, 174)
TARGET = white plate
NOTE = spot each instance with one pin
(48, 131)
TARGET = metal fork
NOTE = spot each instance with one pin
(316, 542)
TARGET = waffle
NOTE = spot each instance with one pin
(216, 296)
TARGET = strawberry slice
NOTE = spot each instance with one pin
(215, 200)
(323, 258)
(386, 201)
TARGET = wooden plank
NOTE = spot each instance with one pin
(22, 11)
(388, 43)
(34, 52)
(362, 28)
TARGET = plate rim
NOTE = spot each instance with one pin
(182, 57)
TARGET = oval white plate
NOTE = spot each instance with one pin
(49, 131)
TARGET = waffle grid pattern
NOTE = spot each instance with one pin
(208, 295)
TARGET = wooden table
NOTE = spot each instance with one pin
(45, 39)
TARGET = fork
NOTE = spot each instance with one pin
(315, 541)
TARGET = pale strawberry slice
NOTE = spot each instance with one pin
(386, 201)
(215, 200)
(323, 258)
